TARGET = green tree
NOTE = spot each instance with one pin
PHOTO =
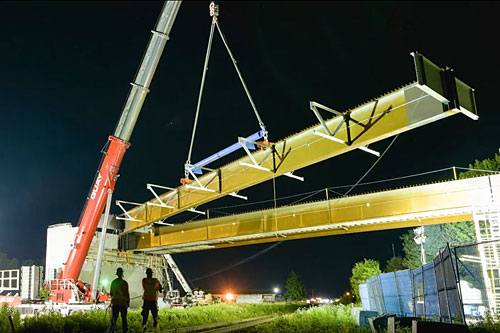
(44, 294)
(8, 263)
(361, 272)
(13, 263)
(28, 262)
(347, 298)
(394, 264)
(437, 236)
(492, 164)
(411, 250)
(294, 286)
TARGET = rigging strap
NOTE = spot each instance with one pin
(214, 12)
(200, 95)
(261, 123)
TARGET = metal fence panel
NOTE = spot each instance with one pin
(418, 292)
(450, 305)
(363, 294)
(441, 288)
(377, 295)
(405, 292)
(391, 300)
(478, 296)
(372, 296)
(430, 291)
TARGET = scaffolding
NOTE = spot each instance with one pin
(129, 257)
(487, 226)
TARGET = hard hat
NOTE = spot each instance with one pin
(149, 271)
(119, 271)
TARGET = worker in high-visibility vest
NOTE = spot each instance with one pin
(120, 300)
(151, 288)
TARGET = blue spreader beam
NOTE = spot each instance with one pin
(226, 151)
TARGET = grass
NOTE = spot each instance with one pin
(90, 321)
(328, 318)
(295, 318)
(338, 318)
(5, 312)
(485, 327)
(222, 313)
(98, 321)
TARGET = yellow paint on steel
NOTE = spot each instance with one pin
(451, 201)
(401, 110)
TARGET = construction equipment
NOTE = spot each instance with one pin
(172, 296)
(67, 288)
(178, 274)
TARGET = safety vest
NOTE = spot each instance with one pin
(151, 287)
(119, 292)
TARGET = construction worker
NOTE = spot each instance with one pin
(120, 300)
(151, 288)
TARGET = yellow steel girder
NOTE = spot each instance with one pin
(396, 112)
(409, 107)
(451, 201)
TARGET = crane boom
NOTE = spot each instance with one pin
(118, 143)
(178, 273)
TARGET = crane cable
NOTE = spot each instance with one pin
(200, 94)
(373, 165)
(214, 12)
(259, 119)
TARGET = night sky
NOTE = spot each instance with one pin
(66, 68)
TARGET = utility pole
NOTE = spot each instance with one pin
(420, 240)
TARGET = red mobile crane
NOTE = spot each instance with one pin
(63, 290)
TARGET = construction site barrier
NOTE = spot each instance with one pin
(430, 291)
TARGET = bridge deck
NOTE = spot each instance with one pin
(451, 201)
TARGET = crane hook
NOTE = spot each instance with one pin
(214, 9)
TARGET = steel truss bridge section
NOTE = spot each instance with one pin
(437, 94)
(451, 201)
